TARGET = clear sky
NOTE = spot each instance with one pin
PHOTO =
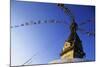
(45, 41)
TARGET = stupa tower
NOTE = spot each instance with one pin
(73, 46)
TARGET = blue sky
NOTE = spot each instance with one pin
(45, 41)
